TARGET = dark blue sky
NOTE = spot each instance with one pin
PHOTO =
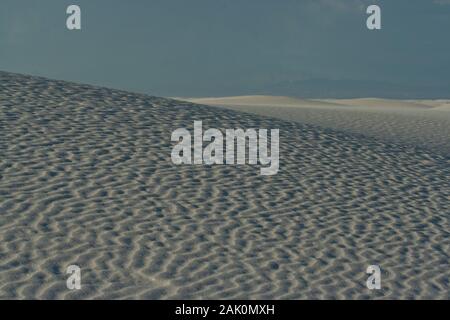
(232, 47)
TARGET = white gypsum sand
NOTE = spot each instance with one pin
(86, 178)
(424, 123)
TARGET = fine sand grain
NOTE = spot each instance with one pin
(86, 178)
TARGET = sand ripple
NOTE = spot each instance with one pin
(86, 178)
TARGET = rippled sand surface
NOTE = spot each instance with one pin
(86, 178)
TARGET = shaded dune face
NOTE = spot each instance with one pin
(86, 178)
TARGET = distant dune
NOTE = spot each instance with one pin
(424, 123)
(86, 179)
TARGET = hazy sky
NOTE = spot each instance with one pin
(228, 47)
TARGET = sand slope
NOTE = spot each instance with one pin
(424, 123)
(86, 178)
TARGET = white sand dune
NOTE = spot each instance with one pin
(268, 101)
(282, 101)
(423, 123)
(86, 179)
